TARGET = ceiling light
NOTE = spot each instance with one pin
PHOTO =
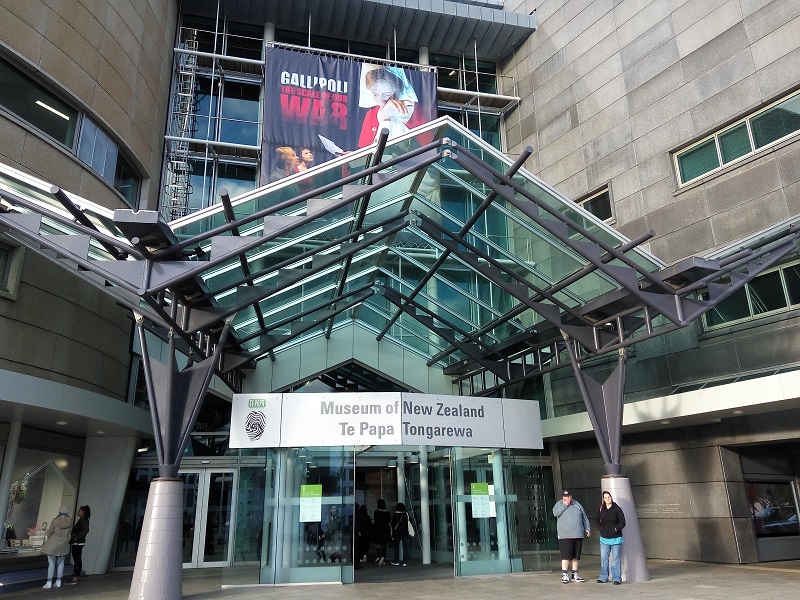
(61, 422)
(100, 432)
(142, 449)
(53, 110)
(665, 422)
(738, 411)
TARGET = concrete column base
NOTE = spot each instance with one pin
(634, 562)
(158, 574)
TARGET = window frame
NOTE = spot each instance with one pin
(612, 219)
(9, 278)
(747, 119)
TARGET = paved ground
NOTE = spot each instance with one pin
(670, 580)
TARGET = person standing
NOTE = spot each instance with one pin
(56, 547)
(78, 541)
(381, 531)
(572, 523)
(610, 521)
(400, 534)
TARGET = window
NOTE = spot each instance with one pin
(772, 508)
(36, 106)
(771, 292)
(5, 263)
(484, 124)
(757, 131)
(100, 152)
(599, 204)
(10, 268)
(460, 73)
(41, 109)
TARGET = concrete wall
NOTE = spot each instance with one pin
(688, 486)
(64, 330)
(110, 58)
(611, 88)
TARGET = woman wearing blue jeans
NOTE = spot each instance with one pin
(611, 521)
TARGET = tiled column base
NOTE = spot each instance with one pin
(158, 574)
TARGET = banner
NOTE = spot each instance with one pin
(319, 107)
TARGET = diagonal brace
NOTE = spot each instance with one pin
(604, 403)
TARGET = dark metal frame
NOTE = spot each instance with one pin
(162, 285)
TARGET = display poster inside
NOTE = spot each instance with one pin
(318, 107)
(480, 500)
(310, 503)
(383, 419)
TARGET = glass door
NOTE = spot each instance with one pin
(207, 517)
(484, 540)
(440, 514)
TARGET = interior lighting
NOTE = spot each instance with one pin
(665, 422)
(738, 411)
(53, 110)
(61, 422)
(100, 432)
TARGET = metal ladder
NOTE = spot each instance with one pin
(183, 125)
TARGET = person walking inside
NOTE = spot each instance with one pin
(610, 521)
(381, 531)
(56, 547)
(571, 523)
(400, 534)
(78, 541)
(363, 533)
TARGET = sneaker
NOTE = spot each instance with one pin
(48, 585)
(578, 578)
(564, 578)
(601, 581)
(57, 583)
(404, 564)
(395, 563)
(617, 582)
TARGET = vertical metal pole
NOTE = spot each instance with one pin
(478, 89)
(9, 458)
(501, 508)
(423, 528)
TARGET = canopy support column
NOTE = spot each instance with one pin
(175, 397)
(604, 403)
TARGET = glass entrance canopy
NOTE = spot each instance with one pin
(357, 239)
(433, 240)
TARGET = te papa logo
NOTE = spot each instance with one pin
(255, 425)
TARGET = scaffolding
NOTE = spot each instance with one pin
(183, 126)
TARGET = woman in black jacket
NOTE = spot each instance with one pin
(611, 521)
(78, 540)
(400, 534)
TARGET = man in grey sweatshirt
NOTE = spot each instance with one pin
(572, 522)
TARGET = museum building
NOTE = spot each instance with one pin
(658, 143)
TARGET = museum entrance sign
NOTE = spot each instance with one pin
(383, 419)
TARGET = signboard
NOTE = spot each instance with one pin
(383, 419)
(310, 503)
(480, 500)
(330, 106)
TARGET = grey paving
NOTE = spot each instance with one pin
(673, 580)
